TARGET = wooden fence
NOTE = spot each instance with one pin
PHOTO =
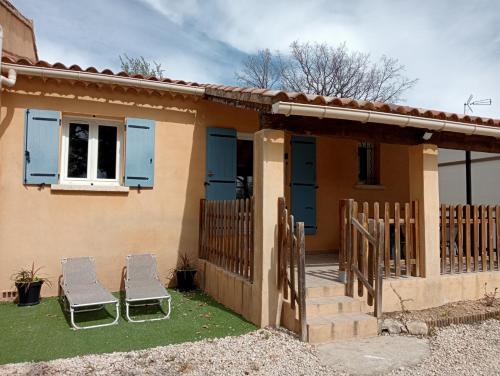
(472, 232)
(402, 251)
(226, 235)
(364, 250)
(292, 263)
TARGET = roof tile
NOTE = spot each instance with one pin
(268, 96)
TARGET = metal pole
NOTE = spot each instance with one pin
(468, 177)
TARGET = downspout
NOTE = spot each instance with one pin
(365, 116)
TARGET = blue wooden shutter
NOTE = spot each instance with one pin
(139, 153)
(303, 184)
(220, 179)
(41, 147)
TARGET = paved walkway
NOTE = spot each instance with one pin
(374, 356)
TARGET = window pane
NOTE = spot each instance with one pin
(78, 150)
(106, 152)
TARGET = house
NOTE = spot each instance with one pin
(106, 164)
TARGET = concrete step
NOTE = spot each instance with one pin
(332, 305)
(341, 326)
(325, 291)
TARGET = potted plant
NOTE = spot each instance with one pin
(185, 273)
(29, 283)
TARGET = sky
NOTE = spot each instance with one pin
(451, 46)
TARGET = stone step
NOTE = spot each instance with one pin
(341, 326)
(331, 305)
(324, 291)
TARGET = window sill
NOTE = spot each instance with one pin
(89, 188)
(370, 186)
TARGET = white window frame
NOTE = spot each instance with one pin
(93, 146)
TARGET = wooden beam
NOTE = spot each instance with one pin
(374, 132)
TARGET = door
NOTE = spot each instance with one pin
(220, 178)
(303, 182)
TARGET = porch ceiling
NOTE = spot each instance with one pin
(375, 132)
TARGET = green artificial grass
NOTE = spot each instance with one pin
(43, 332)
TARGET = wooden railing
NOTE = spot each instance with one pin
(472, 232)
(292, 263)
(226, 235)
(364, 249)
(402, 251)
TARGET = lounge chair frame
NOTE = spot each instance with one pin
(149, 301)
(73, 308)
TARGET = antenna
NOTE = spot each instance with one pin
(468, 160)
(479, 102)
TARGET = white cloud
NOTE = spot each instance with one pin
(453, 47)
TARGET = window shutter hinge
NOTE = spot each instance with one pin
(60, 122)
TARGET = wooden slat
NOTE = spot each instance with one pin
(363, 280)
(497, 210)
(363, 231)
(491, 231)
(460, 238)
(378, 269)
(408, 243)
(251, 211)
(468, 235)
(348, 229)
(416, 238)
(238, 249)
(397, 240)
(285, 253)
(291, 255)
(443, 238)
(476, 237)
(281, 208)
(451, 242)
(373, 261)
(246, 238)
(484, 238)
(387, 244)
(355, 245)
(302, 280)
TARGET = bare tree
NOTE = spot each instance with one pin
(321, 69)
(139, 65)
(259, 70)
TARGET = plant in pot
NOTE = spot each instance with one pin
(185, 273)
(29, 283)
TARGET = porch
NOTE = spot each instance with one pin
(275, 263)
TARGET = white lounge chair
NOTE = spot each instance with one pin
(143, 286)
(82, 292)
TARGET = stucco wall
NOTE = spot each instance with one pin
(337, 176)
(41, 225)
(19, 39)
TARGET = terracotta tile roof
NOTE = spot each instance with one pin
(267, 97)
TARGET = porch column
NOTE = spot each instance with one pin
(424, 187)
(268, 177)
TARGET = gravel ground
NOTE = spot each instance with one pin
(455, 350)
(263, 352)
(461, 350)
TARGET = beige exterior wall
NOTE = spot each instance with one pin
(337, 177)
(41, 225)
(436, 291)
(19, 38)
